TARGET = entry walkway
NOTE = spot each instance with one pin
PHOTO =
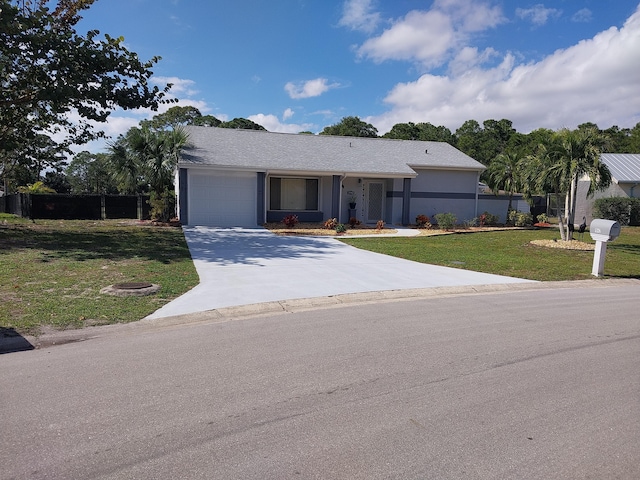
(239, 266)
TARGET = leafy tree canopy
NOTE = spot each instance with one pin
(48, 71)
(351, 127)
(421, 131)
(242, 124)
(91, 173)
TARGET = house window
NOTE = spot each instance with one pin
(293, 193)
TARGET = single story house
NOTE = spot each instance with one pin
(625, 182)
(228, 177)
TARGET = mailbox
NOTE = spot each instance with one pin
(604, 230)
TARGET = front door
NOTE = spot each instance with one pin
(373, 201)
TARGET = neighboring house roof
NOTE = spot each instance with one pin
(624, 167)
(268, 151)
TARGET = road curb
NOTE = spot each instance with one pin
(293, 306)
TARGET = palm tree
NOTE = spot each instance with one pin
(570, 156)
(152, 155)
(157, 153)
(125, 169)
(504, 173)
(544, 175)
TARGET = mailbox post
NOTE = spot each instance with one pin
(602, 231)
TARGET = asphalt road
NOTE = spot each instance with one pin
(536, 385)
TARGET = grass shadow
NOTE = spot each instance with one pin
(106, 241)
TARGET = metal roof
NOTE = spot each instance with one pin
(268, 151)
(624, 167)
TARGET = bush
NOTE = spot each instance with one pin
(488, 219)
(422, 221)
(446, 221)
(341, 228)
(380, 225)
(520, 219)
(163, 205)
(290, 221)
(542, 218)
(353, 221)
(331, 223)
(624, 210)
(471, 223)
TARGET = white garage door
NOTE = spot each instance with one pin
(223, 199)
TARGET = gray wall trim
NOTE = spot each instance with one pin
(406, 200)
(335, 197)
(261, 198)
(450, 196)
(183, 188)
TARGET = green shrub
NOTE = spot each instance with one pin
(520, 219)
(341, 228)
(542, 218)
(624, 210)
(446, 221)
(163, 205)
(488, 219)
(471, 223)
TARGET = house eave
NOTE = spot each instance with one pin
(447, 167)
(297, 172)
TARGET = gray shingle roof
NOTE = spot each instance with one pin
(624, 167)
(261, 151)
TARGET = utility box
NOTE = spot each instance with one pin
(604, 230)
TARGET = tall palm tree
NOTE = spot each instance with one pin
(505, 173)
(545, 175)
(570, 156)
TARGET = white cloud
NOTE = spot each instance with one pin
(422, 36)
(178, 85)
(273, 124)
(469, 58)
(595, 80)
(120, 121)
(430, 37)
(538, 14)
(359, 15)
(288, 113)
(308, 89)
(582, 15)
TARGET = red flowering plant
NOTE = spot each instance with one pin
(290, 221)
(422, 221)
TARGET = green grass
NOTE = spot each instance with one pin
(510, 253)
(51, 271)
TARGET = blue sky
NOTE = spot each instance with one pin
(293, 65)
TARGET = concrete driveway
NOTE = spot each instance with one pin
(239, 266)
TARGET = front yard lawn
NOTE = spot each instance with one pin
(52, 271)
(510, 253)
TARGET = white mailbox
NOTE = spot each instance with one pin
(602, 231)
